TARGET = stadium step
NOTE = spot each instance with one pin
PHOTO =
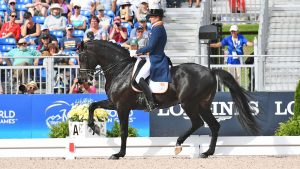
(284, 38)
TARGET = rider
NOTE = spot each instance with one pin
(157, 65)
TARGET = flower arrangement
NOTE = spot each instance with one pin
(80, 112)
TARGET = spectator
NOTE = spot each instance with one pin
(38, 7)
(118, 33)
(52, 50)
(45, 38)
(12, 8)
(126, 14)
(88, 5)
(78, 20)
(142, 10)
(197, 3)
(69, 42)
(104, 20)
(55, 21)
(29, 28)
(64, 6)
(82, 87)
(235, 44)
(143, 23)
(45, 30)
(22, 51)
(11, 29)
(99, 33)
(141, 40)
(109, 5)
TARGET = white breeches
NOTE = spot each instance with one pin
(145, 70)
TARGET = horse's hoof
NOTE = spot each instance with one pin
(178, 149)
(114, 157)
(203, 155)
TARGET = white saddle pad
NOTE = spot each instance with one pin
(155, 87)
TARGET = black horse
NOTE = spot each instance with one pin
(193, 86)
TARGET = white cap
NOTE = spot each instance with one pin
(234, 28)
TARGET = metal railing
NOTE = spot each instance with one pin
(278, 73)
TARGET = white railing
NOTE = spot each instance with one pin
(53, 78)
(235, 11)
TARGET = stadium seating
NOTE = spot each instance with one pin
(86, 13)
(78, 34)
(21, 7)
(3, 7)
(38, 19)
(109, 13)
(59, 34)
(24, 1)
(6, 44)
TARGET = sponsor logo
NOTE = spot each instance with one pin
(113, 116)
(8, 117)
(57, 112)
(284, 109)
(221, 110)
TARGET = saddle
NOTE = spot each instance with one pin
(155, 87)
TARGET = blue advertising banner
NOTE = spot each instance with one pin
(30, 116)
(270, 108)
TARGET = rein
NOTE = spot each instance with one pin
(103, 70)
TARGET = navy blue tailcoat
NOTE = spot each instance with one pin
(159, 70)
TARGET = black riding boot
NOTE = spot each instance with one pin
(149, 98)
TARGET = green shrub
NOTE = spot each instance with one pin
(292, 126)
(115, 131)
(60, 130)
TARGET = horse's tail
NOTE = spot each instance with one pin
(240, 98)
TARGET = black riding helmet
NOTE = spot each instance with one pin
(155, 12)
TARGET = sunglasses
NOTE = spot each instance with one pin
(12, 3)
(139, 31)
(13, 16)
(76, 7)
(22, 44)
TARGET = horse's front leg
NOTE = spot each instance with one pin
(105, 104)
(123, 118)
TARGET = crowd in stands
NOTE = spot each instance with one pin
(42, 28)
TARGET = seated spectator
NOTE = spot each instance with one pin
(55, 21)
(143, 23)
(22, 51)
(99, 34)
(38, 7)
(126, 14)
(45, 30)
(82, 87)
(29, 28)
(109, 5)
(52, 50)
(142, 10)
(11, 29)
(69, 42)
(64, 6)
(118, 33)
(12, 8)
(138, 41)
(45, 38)
(77, 20)
(104, 20)
(88, 5)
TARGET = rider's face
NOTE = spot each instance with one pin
(154, 19)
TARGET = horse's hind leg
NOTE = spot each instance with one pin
(214, 126)
(192, 112)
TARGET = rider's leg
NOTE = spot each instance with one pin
(140, 79)
(145, 88)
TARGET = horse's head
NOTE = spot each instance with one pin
(87, 60)
(103, 53)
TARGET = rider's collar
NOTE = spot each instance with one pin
(156, 24)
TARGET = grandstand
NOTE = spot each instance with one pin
(277, 46)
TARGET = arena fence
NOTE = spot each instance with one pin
(266, 73)
(148, 146)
